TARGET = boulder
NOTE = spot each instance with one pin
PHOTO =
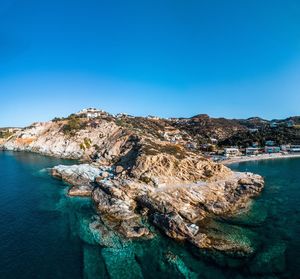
(80, 191)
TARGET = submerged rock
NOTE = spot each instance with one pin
(271, 260)
(121, 263)
(179, 264)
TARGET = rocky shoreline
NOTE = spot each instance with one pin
(127, 206)
(139, 180)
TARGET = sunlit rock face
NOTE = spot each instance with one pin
(130, 206)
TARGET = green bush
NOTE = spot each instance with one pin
(72, 126)
(87, 143)
(56, 119)
(5, 134)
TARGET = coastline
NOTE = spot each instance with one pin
(259, 158)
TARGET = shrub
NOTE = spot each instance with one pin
(56, 119)
(87, 143)
(5, 134)
(72, 126)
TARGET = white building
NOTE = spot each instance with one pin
(272, 149)
(270, 143)
(274, 125)
(295, 148)
(213, 140)
(232, 152)
(285, 147)
(152, 117)
(252, 151)
(90, 113)
(290, 123)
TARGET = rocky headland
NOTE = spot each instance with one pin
(142, 173)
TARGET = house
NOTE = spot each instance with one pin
(253, 130)
(255, 144)
(252, 151)
(295, 148)
(152, 117)
(270, 143)
(120, 115)
(272, 149)
(213, 140)
(274, 124)
(231, 152)
(172, 135)
(285, 147)
(90, 113)
(191, 145)
(290, 124)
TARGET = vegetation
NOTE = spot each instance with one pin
(151, 148)
(280, 135)
(73, 125)
(4, 134)
(57, 119)
(87, 143)
(143, 126)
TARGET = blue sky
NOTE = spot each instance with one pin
(164, 57)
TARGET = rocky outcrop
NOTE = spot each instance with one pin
(130, 206)
(179, 210)
(81, 177)
(140, 173)
(95, 140)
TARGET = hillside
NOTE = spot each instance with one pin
(143, 172)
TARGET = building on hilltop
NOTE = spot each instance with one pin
(290, 124)
(273, 124)
(91, 113)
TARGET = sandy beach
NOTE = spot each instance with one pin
(259, 157)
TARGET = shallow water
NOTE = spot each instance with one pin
(45, 234)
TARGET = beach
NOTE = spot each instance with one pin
(241, 159)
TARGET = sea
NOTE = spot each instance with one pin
(46, 234)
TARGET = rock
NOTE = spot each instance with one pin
(179, 264)
(117, 210)
(121, 263)
(177, 209)
(104, 174)
(76, 174)
(80, 191)
(119, 169)
(270, 261)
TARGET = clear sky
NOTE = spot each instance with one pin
(228, 58)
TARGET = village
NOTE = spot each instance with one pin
(270, 149)
(173, 130)
(211, 148)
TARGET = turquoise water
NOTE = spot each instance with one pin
(45, 234)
